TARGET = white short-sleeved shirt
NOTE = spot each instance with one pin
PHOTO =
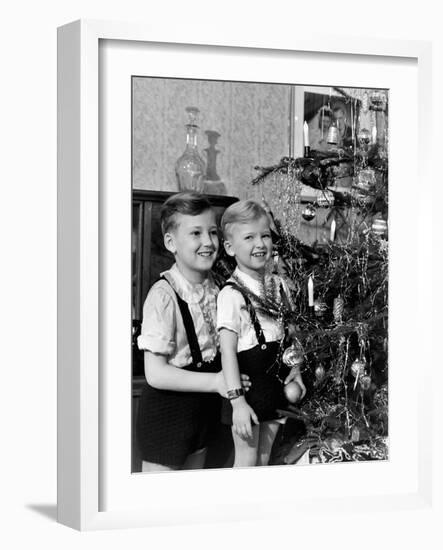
(231, 313)
(163, 331)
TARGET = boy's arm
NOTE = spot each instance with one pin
(228, 348)
(163, 376)
(242, 413)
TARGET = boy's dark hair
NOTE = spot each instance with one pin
(188, 203)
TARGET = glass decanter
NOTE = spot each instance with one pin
(190, 167)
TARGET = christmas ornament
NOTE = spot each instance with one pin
(325, 198)
(309, 212)
(365, 180)
(383, 246)
(320, 373)
(320, 308)
(381, 397)
(361, 197)
(358, 368)
(293, 391)
(337, 309)
(364, 137)
(377, 100)
(365, 382)
(379, 227)
(355, 434)
(332, 138)
(293, 356)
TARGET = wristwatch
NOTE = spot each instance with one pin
(233, 394)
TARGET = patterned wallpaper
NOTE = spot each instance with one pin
(252, 120)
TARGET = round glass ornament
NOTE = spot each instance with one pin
(358, 368)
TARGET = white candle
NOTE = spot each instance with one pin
(352, 121)
(311, 291)
(332, 230)
(306, 133)
(374, 134)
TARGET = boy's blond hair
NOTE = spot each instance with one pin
(241, 212)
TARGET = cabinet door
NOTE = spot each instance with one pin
(137, 278)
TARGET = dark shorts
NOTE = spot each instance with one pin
(266, 394)
(172, 425)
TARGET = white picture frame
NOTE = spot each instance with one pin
(95, 492)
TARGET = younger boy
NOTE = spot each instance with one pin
(250, 335)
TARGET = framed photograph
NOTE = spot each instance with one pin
(125, 98)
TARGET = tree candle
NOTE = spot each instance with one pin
(311, 291)
(332, 235)
(307, 149)
(306, 134)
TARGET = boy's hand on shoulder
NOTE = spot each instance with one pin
(242, 414)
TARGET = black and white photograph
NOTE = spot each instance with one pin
(222, 250)
(259, 274)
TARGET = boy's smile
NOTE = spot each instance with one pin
(194, 243)
(251, 245)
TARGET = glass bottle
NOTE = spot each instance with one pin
(190, 167)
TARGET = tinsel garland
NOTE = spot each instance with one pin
(319, 172)
(267, 303)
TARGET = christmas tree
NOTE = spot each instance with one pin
(337, 326)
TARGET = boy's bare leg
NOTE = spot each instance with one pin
(193, 462)
(196, 461)
(268, 431)
(153, 467)
(246, 449)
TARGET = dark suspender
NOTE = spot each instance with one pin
(251, 310)
(188, 323)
